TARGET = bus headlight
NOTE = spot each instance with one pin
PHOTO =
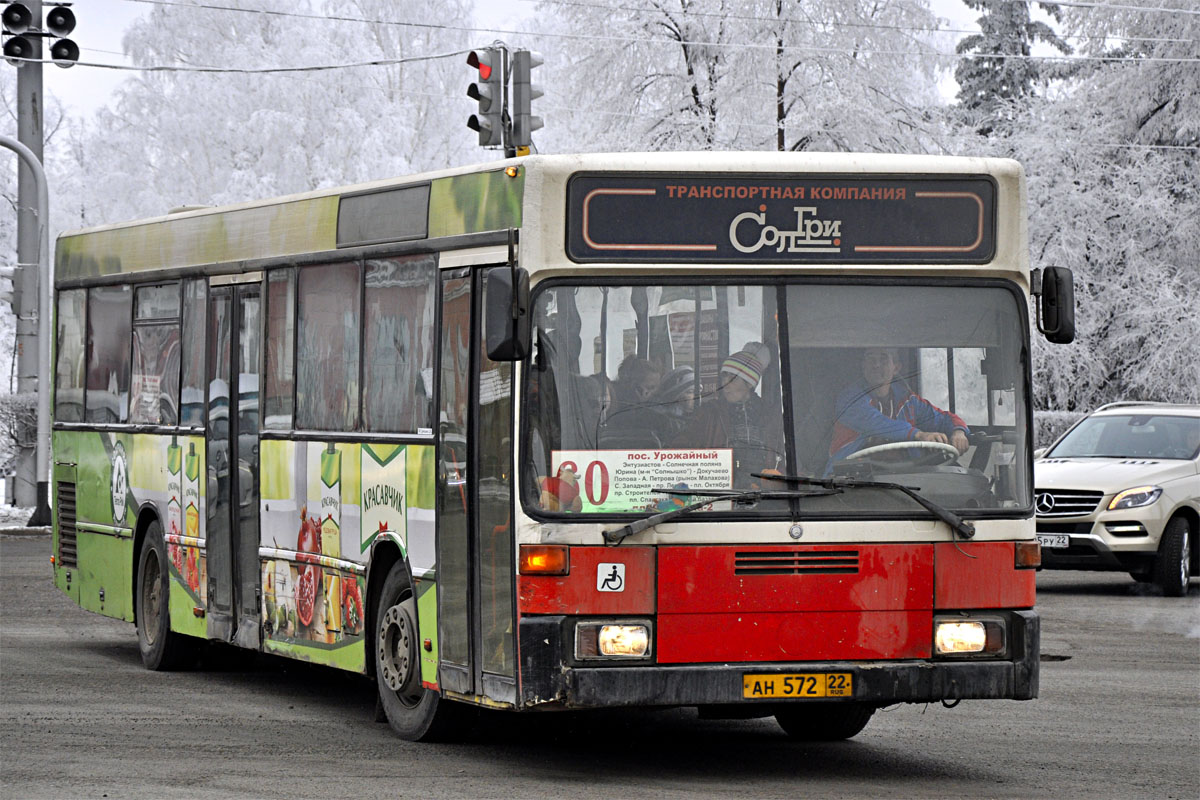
(964, 637)
(612, 640)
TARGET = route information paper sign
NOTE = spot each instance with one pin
(613, 481)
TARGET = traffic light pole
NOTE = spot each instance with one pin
(39, 477)
(505, 114)
(29, 221)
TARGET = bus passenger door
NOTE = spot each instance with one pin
(455, 587)
(475, 538)
(232, 483)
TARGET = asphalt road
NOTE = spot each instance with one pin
(80, 718)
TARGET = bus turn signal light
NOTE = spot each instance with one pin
(545, 559)
(1027, 555)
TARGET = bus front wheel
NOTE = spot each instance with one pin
(161, 648)
(824, 722)
(414, 712)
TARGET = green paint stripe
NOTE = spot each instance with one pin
(240, 234)
(478, 201)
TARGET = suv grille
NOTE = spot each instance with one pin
(1065, 502)
(808, 562)
(65, 496)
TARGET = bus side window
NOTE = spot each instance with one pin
(327, 354)
(110, 311)
(398, 347)
(280, 352)
(69, 372)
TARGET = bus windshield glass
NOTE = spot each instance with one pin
(702, 386)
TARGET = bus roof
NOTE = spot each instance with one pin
(445, 203)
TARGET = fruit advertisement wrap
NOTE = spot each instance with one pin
(323, 506)
(182, 533)
(118, 476)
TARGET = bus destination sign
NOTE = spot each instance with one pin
(798, 219)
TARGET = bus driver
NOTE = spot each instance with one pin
(881, 408)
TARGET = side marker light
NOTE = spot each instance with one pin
(545, 559)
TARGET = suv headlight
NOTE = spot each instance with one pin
(1135, 497)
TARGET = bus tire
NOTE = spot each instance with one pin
(824, 722)
(1172, 567)
(161, 648)
(415, 713)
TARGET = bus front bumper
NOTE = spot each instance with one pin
(548, 680)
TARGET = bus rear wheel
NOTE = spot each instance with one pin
(824, 722)
(414, 712)
(161, 648)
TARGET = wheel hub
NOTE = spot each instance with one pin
(398, 652)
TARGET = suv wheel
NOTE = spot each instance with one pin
(1172, 567)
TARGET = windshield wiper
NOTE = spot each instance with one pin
(747, 497)
(957, 524)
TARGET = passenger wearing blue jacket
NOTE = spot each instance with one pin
(881, 408)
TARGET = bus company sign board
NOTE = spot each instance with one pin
(797, 219)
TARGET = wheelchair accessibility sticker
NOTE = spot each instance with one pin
(610, 577)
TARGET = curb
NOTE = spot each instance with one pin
(25, 531)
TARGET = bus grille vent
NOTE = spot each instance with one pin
(66, 524)
(794, 562)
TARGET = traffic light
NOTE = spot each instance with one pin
(20, 30)
(524, 93)
(17, 20)
(489, 91)
(60, 22)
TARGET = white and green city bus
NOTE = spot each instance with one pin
(471, 433)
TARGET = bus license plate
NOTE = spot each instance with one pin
(799, 685)
(1054, 540)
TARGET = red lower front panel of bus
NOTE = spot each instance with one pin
(816, 603)
(775, 603)
(717, 612)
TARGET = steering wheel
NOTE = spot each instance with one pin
(940, 452)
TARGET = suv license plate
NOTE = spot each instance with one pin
(797, 685)
(1054, 540)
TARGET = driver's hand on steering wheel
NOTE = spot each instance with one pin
(959, 439)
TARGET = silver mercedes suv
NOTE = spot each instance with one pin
(1120, 490)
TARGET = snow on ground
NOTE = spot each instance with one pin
(14, 516)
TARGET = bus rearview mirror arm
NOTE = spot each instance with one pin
(506, 313)
(1053, 289)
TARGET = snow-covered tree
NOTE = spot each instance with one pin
(1152, 87)
(759, 74)
(1113, 161)
(847, 75)
(177, 137)
(999, 71)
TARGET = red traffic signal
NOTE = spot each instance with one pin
(484, 61)
(488, 91)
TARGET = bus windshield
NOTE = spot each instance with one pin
(638, 387)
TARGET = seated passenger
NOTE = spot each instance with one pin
(881, 408)
(736, 417)
(675, 400)
(634, 422)
(637, 381)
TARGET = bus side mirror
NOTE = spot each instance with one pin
(1054, 288)
(506, 313)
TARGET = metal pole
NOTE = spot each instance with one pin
(25, 281)
(41, 514)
